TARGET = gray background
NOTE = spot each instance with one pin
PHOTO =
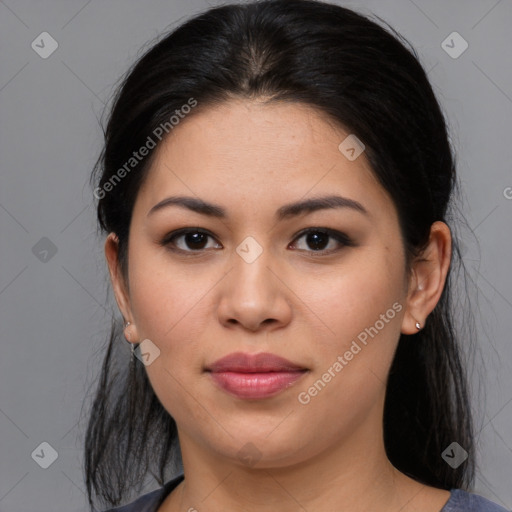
(55, 308)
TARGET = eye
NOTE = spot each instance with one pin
(194, 239)
(318, 238)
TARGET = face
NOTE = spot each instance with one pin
(254, 280)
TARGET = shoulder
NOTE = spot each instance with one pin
(463, 501)
(145, 503)
(150, 501)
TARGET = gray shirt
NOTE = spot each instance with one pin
(460, 501)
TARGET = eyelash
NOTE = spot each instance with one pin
(340, 237)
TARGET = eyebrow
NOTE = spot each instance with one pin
(289, 210)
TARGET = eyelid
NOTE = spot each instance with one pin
(343, 239)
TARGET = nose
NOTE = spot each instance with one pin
(254, 296)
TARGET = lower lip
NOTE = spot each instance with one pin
(255, 385)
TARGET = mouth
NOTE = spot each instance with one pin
(256, 376)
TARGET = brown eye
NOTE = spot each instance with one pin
(187, 240)
(318, 240)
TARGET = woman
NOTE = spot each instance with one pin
(275, 185)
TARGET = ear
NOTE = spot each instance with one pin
(428, 277)
(118, 284)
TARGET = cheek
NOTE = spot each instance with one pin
(354, 298)
(169, 310)
(363, 309)
(160, 293)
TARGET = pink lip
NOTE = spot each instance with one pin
(254, 376)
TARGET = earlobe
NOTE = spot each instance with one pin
(428, 278)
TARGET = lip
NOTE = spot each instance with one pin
(253, 363)
(255, 376)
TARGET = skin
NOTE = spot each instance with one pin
(198, 306)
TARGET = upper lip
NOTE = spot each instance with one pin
(253, 363)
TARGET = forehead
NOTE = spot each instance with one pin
(247, 153)
(244, 130)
